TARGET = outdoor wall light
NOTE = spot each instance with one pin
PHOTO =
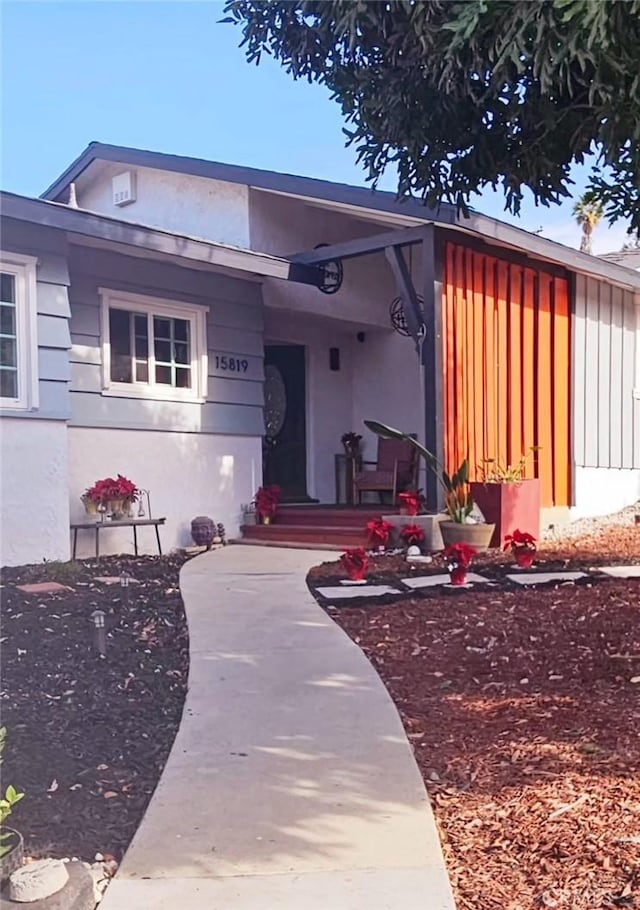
(98, 617)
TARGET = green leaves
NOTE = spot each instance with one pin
(462, 95)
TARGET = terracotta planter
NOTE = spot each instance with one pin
(509, 506)
(478, 536)
(14, 858)
(458, 576)
(524, 557)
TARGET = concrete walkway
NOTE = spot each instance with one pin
(290, 784)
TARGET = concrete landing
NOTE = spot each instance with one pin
(291, 783)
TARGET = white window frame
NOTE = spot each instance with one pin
(155, 306)
(23, 269)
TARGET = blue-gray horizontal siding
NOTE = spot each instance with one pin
(606, 416)
(235, 325)
(50, 249)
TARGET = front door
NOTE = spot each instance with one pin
(284, 447)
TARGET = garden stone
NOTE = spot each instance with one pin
(77, 893)
(538, 578)
(428, 581)
(44, 587)
(338, 593)
(37, 880)
(621, 571)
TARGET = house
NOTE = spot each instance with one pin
(285, 288)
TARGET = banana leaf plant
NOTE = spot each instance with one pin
(457, 497)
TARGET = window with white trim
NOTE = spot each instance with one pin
(18, 332)
(153, 348)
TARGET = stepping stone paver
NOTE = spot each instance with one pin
(339, 592)
(43, 587)
(114, 579)
(429, 581)
(621, 571)
(538, 578)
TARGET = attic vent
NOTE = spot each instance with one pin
(124, 188)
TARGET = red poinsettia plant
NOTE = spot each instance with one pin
(412, 535)
(411, 502)
(267, 500)
(355, 561)
(523, 546)
(112, 489)
(379, 532)
(459, 557)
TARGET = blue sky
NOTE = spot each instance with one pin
(166, 76)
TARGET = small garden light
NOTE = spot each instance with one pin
(98, 617)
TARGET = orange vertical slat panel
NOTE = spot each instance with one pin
(515, 365)
(528, 368)
(544, 401)
(561, 373)
(490, 441)
(470, 445)
(457, 398)
(502, 384)
(478, 363)
(449, 391)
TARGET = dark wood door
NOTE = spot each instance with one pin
(284, 446)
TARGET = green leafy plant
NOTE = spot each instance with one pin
(458, 501)
(455, 97)
(493, 471)
(7, 802)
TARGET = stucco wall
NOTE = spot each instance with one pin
(187, 474)
(602, 491)
(197, 206)
(34, 518)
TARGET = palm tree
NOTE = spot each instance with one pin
(588, 213)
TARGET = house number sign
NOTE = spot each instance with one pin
(237, 366)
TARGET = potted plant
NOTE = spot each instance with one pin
(459, 556)
(412, 535)
(523, 546)
(267, 500)
(351, 442)
(411, 502)
(506, 497)
(379, 532)
(355, 561)
(11, 843)
(461, 527)
(115, 495)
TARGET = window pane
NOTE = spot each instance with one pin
(181, 329)
(142, 371)
(161, 327)
(181, 350)
(141, 325)
(163, 375)
(163, 351)
(8, 352)
(7, 320)
(183, 377)
(7, 288)
(8, 384)
(120, 340)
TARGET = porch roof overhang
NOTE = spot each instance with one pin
(92, 229)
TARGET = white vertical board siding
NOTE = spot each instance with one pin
(606, 415)
(49, 247)
(235, 325)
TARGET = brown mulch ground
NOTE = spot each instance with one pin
(523, 710)
(87, 738)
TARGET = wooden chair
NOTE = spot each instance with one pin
(395, 470)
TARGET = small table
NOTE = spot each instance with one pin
(346, 467)
(98, 526)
